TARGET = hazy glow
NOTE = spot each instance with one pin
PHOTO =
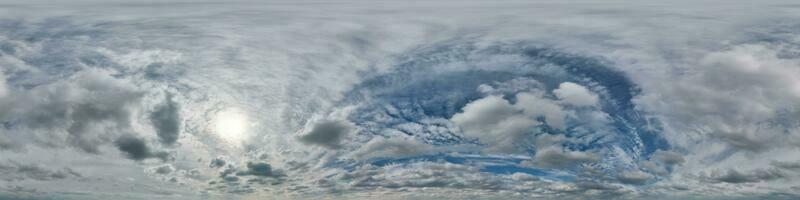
(231, 125)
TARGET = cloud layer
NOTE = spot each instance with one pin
(423, 100)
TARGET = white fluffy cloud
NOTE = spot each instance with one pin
(502, 125)
(574, 94)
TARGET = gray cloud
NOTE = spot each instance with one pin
(217, 162)
(167, 120)
(668, 157)
(635, 177)
(794, 166)
(258, 169)
(137, 149)
(165, 169)
(17, 171)
(327, 133)
(735, 176)
(90, 107)
(392, 147)
(553, 157)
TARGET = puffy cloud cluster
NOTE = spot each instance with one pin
(508, 127)
(577, 95)
(85, 111)
(741, 97)
(497, 122)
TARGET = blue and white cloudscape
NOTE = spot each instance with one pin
(443, 99)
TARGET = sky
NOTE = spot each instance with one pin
(441, 99)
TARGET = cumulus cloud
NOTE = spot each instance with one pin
(635, 177)
(327, 133)
(85, 111)
(495, 121)
(576, 95)
(217, 162)
(554, 157)
(258, 169)
(763, 83)
(167, 121)
(137, 149)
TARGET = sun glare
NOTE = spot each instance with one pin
(231, 125)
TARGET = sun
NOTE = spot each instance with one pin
(231, 125)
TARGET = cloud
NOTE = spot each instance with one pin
(392, 147)
(535, 105)
(735, 176)
(3, 87)
(164, 169)
(727, 97)
(576, 95)
(505, 126)
(432, 175)
(258, 169)
(730, 96)
(217, 162)
(554, 157)
(167, 121)
(668, 157)
(85, 111)
(793, 166)
(635, 177)
(12, 170)
(327, 133)
(137, 149)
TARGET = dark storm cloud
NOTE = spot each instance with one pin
(137, 149)
(328, 134)
(167, 121)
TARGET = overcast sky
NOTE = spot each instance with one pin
(399, 100)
